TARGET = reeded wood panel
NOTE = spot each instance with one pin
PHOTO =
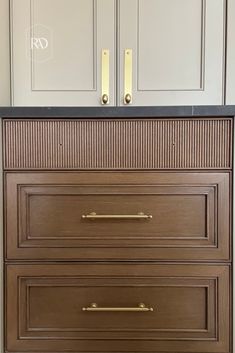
(190, 308)
(190, 216)
(120, 144)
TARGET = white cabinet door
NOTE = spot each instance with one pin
(4, 56)
(178, 51)
(230, 88)
(57, 51)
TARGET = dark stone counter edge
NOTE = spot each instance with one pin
(117, 112)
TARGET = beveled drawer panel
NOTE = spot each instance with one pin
(195, 143)
(142, 215)
(190, 308)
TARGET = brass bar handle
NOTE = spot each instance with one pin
(128, 98)
(105, 99)
(128, 77)
(105, 77)
(140, 308)
(93, 216)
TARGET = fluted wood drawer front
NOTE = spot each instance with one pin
(113, 215)
(195, 143)
(185, 308)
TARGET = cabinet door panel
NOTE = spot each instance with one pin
(5, 54)
(190, 305)
(178, 49)
(57, 48)
(230, 76)
(69, 63)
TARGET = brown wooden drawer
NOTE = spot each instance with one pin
(190, 216)
(195, 143)
(191, 308)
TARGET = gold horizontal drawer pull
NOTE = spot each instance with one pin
(140, 308)
(93, 215)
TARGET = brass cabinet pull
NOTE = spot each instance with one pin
(105, 99)
(128, 77)
(127, 98)
(105, 77)
(93, 215)
(140, 308)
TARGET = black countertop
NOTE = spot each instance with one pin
(117, 112)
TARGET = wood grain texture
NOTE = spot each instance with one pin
(190, 216)
(191, 308)
(121, 144)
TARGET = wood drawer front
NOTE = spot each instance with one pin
(190, 304)
(195, 143)
(190, 216)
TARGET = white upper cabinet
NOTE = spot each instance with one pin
(4, 56)
(130, 52)
(230, 89)
(57, 51)
(178, 50)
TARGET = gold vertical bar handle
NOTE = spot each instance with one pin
(128, 77)
(140, 308)
(105, 77)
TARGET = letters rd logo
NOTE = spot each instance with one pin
(40, 42)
